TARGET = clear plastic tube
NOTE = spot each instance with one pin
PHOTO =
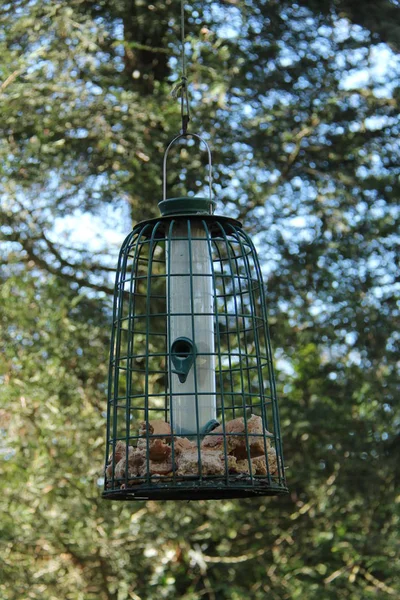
(191, 310)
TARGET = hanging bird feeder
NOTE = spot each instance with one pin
(192, 407)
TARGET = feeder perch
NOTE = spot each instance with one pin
(192, 408)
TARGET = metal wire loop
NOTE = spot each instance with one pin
(178, 137)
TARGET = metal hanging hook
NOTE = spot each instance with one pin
(185, 116)
(182, 89)
(201, 140)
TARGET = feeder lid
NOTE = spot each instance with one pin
(186, 205)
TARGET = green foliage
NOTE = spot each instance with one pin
(307, 156)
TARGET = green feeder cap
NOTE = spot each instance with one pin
(187, 206)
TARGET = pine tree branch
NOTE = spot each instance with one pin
(381, 18)
(33, 255)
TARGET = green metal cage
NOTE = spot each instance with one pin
(192, 406)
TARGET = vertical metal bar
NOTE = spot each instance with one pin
(194, 342)
(218, 349)
(165, 325)
(224, 235)
(245, 336)
(131, 333)
(169, 370)
(113, 378)
(232, 397)
(147, 351)
(275, 408)
(110, 361)
(257, 345)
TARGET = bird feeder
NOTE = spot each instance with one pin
(192, 407)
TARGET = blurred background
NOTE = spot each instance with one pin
(300, 103)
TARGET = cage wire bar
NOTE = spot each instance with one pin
(147, 456)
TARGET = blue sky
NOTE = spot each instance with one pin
(103, 233)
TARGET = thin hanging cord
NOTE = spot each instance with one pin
(183, 39)
(182, 88)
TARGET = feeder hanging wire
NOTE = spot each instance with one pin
(181, 88)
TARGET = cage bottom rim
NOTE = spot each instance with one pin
(195, 491)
